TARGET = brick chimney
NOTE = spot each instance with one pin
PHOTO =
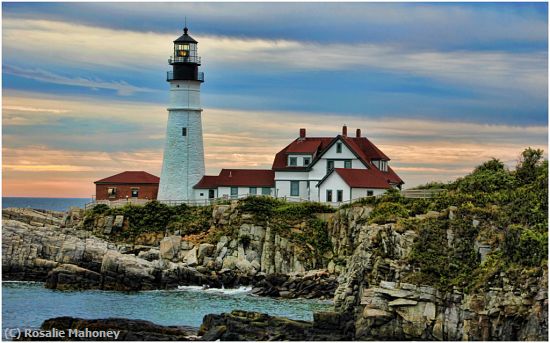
(358, 133)
(302, 133)
(344, 131)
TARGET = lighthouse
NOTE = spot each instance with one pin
(183, 160)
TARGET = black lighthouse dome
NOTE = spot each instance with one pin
(185, 60)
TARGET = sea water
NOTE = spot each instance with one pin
(55, 204)
(28, 304)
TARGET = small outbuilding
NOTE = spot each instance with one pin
(127, 185)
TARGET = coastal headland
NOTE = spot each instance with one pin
(468, 264)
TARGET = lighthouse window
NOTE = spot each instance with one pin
(184, 131)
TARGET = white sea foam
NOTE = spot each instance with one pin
(239, 290)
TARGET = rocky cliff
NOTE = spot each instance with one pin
(373, 289)
(436, 276)
(37, 247)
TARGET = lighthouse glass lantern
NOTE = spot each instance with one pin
(185, 61)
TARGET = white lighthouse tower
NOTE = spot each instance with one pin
(183, 162)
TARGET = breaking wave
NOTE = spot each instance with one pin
(239, 290)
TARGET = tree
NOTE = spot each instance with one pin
(528, 167)
(494, 164)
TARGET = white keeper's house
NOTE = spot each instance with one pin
(327, 169)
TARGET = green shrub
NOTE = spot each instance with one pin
(100, 209)
(387, 212)
(525, 246)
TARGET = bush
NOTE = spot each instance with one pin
(525, 246)
(261, 206)
(387, 212)
(100, 209)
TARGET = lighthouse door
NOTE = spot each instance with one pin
(210, 194)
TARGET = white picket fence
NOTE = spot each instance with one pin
(408, 193)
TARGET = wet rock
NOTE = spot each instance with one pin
(254, 326)
(128, 329)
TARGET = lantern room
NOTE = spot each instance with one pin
(185, 60)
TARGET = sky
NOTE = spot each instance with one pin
(439, 87)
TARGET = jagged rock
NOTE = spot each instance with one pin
(230, 262)
(149, 255)
(119, 220)
(254, 326)
(205, 249)
(70, 276)
(191, 258)
(402, 302)
(169, 247)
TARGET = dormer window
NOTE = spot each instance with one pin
(293, 161)
(307, 161)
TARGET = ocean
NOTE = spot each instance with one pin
(55, 204)
(28, 304)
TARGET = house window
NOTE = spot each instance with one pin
(184, 131)
(339, 148)
(253, 190)
(330, 166)
(294, 188)
(266, 191)
(339, 195)
(234, 192)
(293, 161)
(211, 194)
(329, 195)
(370, 193)
(111, 192)
(135, 192)
(347, 164)
(307, 161)
(202, 194)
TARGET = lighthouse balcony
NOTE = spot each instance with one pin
(185, 59)
(170, 76)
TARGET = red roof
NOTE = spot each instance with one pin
(304, 146)
(310, 145)
(363, 147)
(363, 178)
(239, 177)
(365, 150)
(393, 177)
(133, 177)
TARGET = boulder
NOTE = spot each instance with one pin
(205, 249)
(191, 258)
(126, 329)
(169, 247)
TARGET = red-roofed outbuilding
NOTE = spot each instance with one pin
(128, 184)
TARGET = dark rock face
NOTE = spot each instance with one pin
(254, 326)
(128, 329)
(315, 284)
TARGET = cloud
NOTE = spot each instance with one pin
(418, 25)
(492, 71)
(121, 87)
